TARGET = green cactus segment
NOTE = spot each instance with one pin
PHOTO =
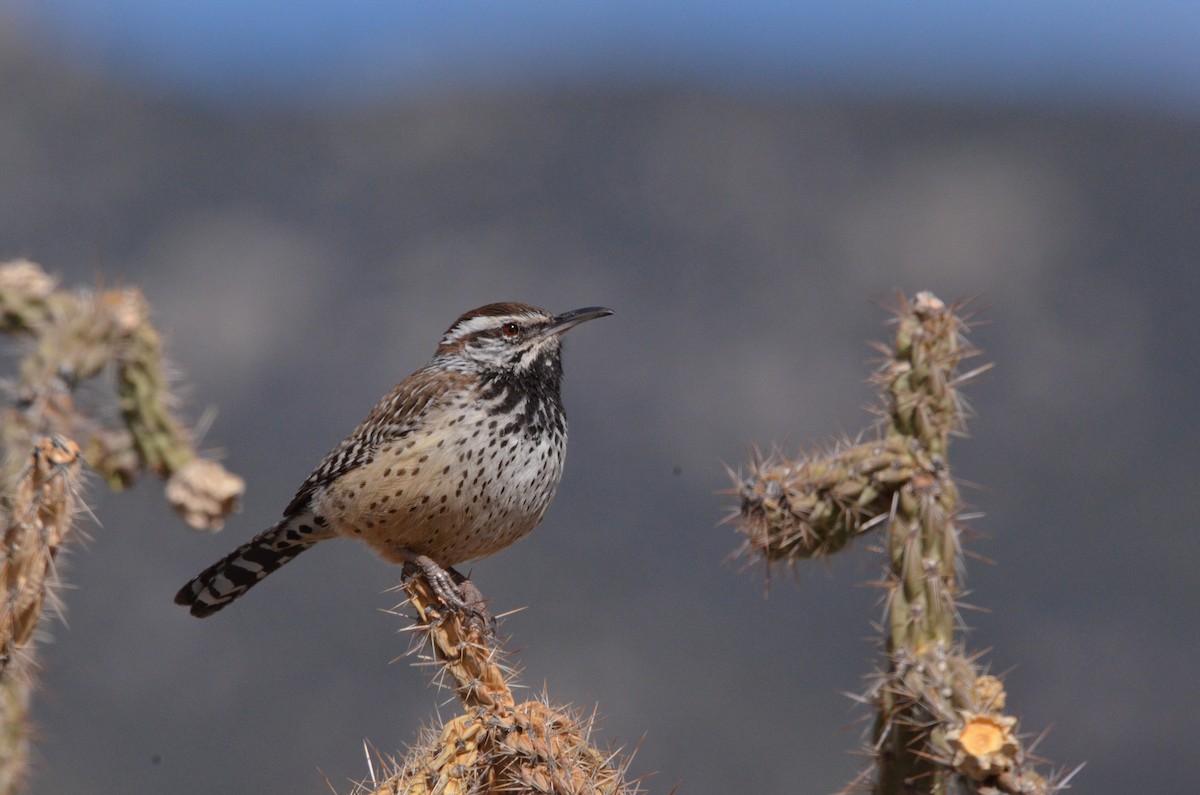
(73, 344)
(76, 336)
(144, 398)
(939, 725)
(923, 547)
(816, 506)
(923, 535)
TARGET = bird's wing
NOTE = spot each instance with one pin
(400, 412)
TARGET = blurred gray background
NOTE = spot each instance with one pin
(310, 194)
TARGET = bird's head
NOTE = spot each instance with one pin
(510, 337)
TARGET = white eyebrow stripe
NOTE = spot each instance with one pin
(481, 323)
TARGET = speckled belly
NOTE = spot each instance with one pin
(451, 496)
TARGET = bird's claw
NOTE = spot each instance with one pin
(458, 594)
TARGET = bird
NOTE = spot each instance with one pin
(455, 463)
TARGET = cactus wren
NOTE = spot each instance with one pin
(457, 462)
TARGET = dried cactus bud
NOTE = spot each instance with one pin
(204, 493)
(127, 309)
(24, 290)
(26, 279)
(988, 693)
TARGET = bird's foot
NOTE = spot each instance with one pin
(456, 592)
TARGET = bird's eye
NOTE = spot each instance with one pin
(510, 329)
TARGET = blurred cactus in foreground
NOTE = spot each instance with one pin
(68, 338)
(496, 745)
(940, 723)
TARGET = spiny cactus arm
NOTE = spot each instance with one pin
(495, 745)
(69, 337)
(940, 724)
(814, 506)
(467, 661)
(78, 334)
(37, 520)
(37, 517)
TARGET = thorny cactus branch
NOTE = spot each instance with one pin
(76, 336)
(69, 338)
(795, 510)
(39, 517)
(496, 745)
(940, 722)
(467, 662)
(35, 523)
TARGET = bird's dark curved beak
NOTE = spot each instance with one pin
(569, 320)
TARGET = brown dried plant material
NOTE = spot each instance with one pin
(988, 693)
(37, 522)
(43, 505)
(471, 664)
(203, 493)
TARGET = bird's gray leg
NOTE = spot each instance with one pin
(456, 591)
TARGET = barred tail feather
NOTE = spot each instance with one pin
(242, 569)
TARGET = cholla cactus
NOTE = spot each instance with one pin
(496, 745)
(72, 337)
(940, 723)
